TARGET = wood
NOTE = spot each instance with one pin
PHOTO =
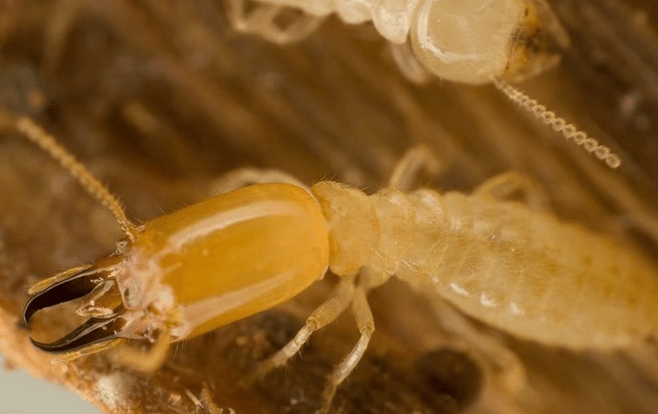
(161, 97)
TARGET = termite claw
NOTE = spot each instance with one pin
(65, 290)
(93, 331)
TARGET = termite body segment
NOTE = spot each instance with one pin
(521, 271)
(234, 255)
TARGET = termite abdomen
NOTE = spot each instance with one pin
(521, 271)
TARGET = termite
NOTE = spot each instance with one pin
(465, 41)
(507, 264)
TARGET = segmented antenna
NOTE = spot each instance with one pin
(36, 134)
(569, 131)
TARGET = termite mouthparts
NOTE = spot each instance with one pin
(95, 329)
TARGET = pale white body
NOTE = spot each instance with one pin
(392, 18)
(459, 40)
(521, 271)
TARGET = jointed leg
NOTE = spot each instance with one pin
(262, 20)
(504, 185)
(326, 313)
(410, 165)
(323, 315)
(298, 30)
(148, 361)
(239, 19)
(366, 325)
(88, 350)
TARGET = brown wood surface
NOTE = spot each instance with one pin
(160, 97)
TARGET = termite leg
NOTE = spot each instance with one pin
(246, 176)
(326, 313)
(237, 16)
(87, 350)
(145, 361)
(504, 185)
(504, 361)
(301, 28)
(366, 325)
(408, 168)
(262, 20)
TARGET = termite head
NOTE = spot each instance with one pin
(471, 41)
(104, 303)
(71, 285)
(194, 270)
(536, 43)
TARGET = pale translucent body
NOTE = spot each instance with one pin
(467, 41)
(520, 271)
(392, 18)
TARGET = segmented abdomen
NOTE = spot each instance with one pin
(392, 18)
(520, 271)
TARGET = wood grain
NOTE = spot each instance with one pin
(160, 97)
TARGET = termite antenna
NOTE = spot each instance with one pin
(47, 142)
(569, 131)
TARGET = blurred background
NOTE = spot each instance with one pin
(159, 98)
(22, 390)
